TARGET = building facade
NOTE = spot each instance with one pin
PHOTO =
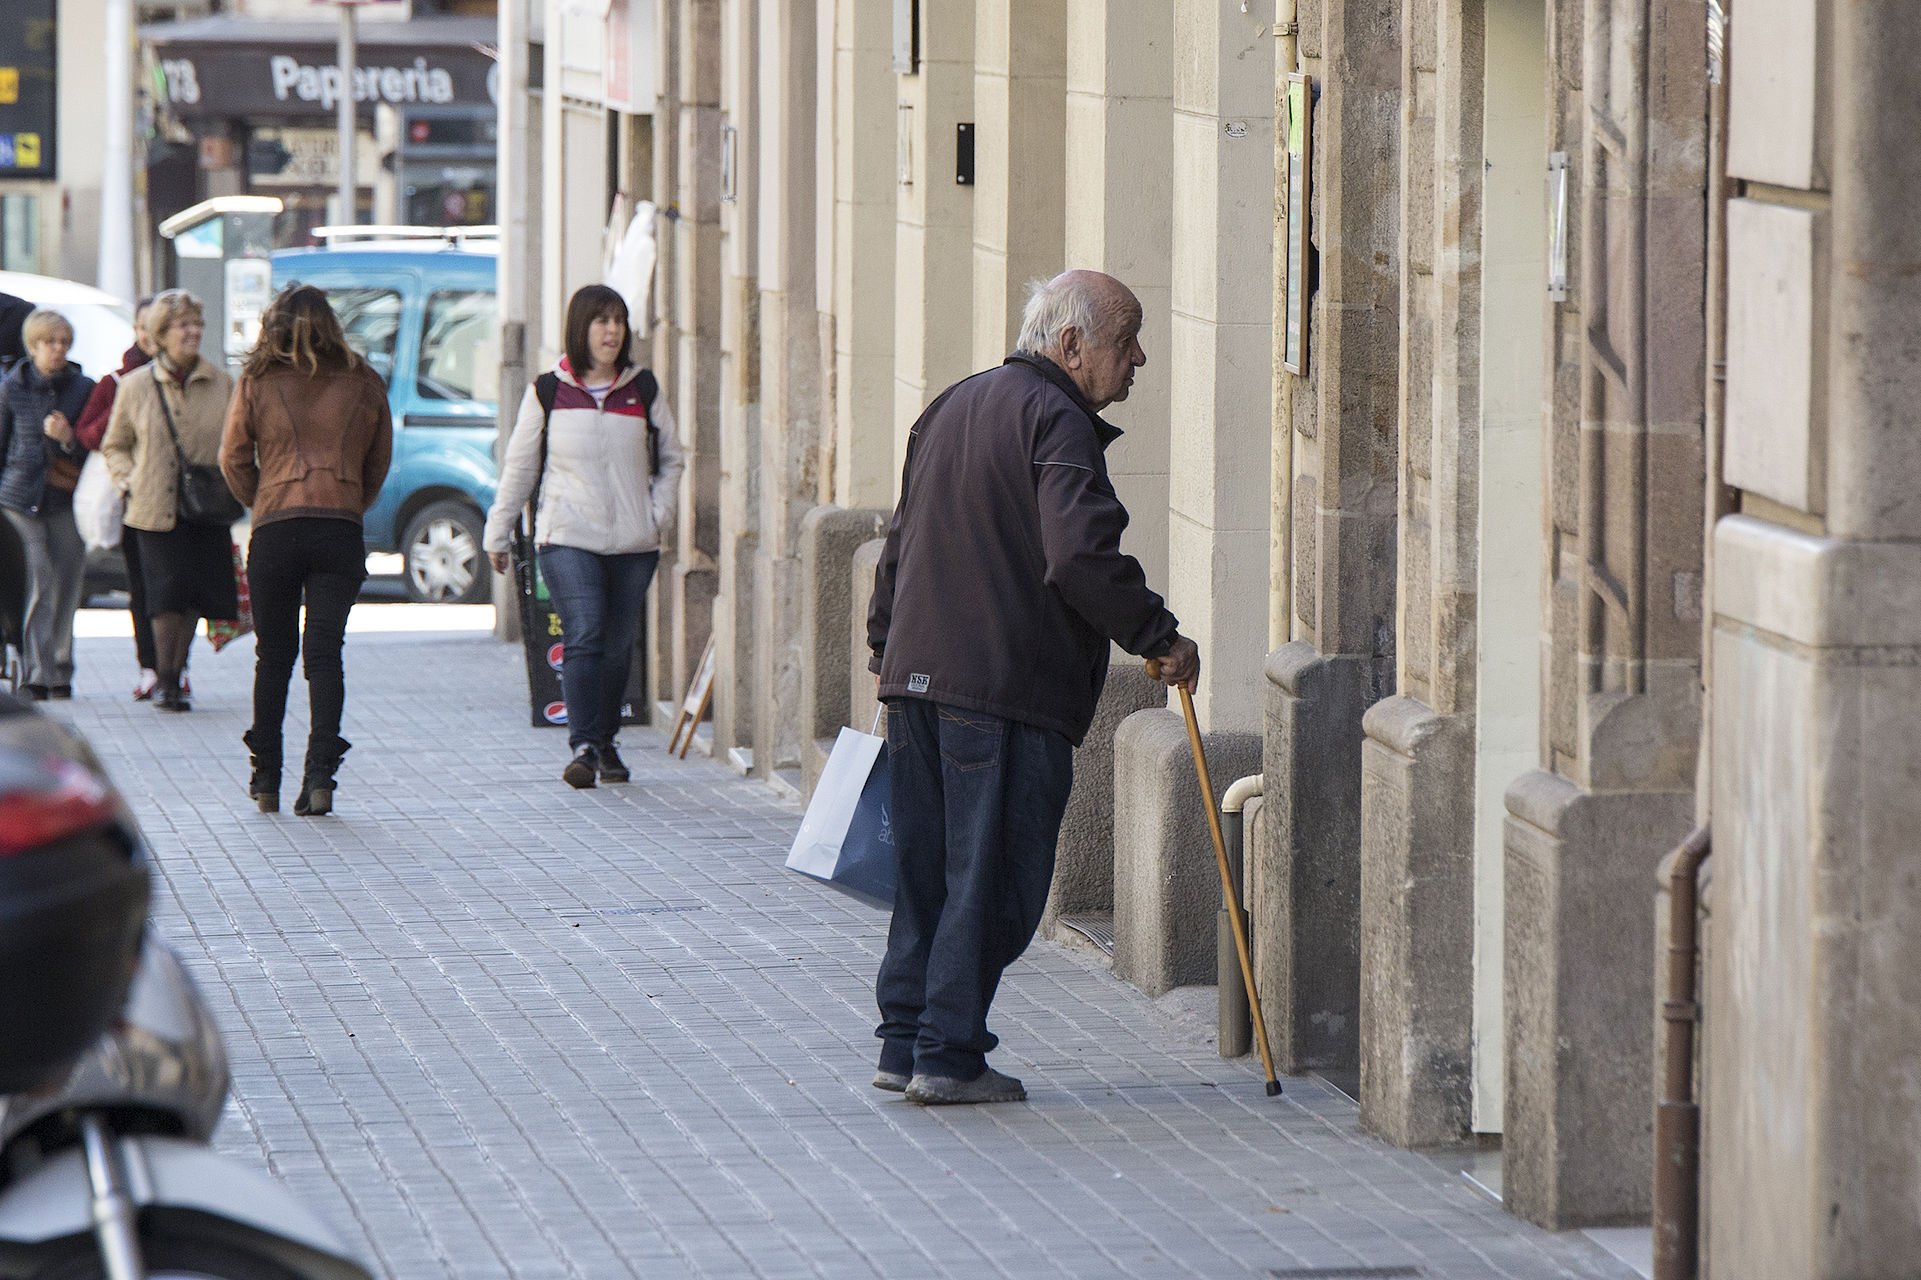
(1525, 441)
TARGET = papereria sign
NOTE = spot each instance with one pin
(396, 86)
(290, 79)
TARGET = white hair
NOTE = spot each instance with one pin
(1053, 307)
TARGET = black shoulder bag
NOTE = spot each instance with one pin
(202, 496)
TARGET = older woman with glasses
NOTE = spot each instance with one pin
(40, 460)
(169, 413)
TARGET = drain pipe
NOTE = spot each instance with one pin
(1677, 1119)
(1236, 1031)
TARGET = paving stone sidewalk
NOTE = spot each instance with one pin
(491, 1027)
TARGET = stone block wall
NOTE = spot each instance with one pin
(1084, 861)
(1166, 886)
(829, 538)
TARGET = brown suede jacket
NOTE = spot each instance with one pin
(297, 445)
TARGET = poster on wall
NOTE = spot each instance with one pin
(1300, 159)
(29, 49)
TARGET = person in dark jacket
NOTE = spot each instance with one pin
(13, 323)
(1000, 588)
(40, 461)
(91, 428)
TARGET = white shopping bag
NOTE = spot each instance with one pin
(846, 840)
(97, 505)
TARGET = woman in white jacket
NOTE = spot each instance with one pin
(598, 454)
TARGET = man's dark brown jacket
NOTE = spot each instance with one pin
(1003, 578)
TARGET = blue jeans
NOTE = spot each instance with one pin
(599, 600)
(976, 808)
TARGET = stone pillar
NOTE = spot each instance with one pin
(1417, 791)
(1345, 464)
(736, 647)
(866, 114)
(934, 220)
(1813, 1004)
(1120, 84)
(1019, 161)
(1166, 887)
(694, 328)
(1621, 662)
(1222, 349)
(790, 362)
(661, 349)
(829, 537)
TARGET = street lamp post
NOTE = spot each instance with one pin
(349, 39)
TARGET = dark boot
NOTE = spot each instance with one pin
(170, 696)
(264, 784)
(317, 784)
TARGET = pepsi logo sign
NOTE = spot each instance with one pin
(556, 652)
(556, 713)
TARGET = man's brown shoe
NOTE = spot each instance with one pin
(946, 1091)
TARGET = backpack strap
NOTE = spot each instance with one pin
(648, 387)
(546, 387)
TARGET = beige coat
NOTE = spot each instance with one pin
(138, 451)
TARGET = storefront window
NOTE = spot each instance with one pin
(458, 359)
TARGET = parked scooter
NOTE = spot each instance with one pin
(105, 1168)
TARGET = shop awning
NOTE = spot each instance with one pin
(272, 68)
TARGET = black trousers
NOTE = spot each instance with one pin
(137, 603)
(323, 562)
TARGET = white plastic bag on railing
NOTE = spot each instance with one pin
(98, 507)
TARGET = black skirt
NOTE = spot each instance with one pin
(189, 569)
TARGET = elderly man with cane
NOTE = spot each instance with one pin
(1000, 588)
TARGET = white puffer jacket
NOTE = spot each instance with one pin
(596, 494)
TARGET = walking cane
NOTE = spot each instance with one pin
(1234, 913)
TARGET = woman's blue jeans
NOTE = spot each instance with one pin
(600, 600)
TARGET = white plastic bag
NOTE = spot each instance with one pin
(97, 506)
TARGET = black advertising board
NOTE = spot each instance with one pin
(29, 48)
(540, 632)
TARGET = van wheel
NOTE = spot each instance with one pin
(444, 563)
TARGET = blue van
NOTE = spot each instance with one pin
(420, 305)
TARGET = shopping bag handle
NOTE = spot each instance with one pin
(879, 711)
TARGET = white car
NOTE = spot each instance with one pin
(102, 323)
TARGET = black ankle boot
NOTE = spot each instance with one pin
(317, 783)
(264, 784)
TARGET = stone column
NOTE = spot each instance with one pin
(1220, 377)
(1120, 84)
(1119, 107)
(736, 641)
(934, 226)
(664, 636)
(1417, 790)
(1307, 880)
(790, 362)
(1813, 1002)
(866, 114)
(1621, 662)
(1019, 156)
(694, 330)
(1222, 348)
